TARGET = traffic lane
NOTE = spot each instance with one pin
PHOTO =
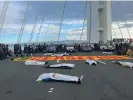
(88, 89)
(24, 86)
(92, 53)
(97, 84)
(7, 69)
(120, 78)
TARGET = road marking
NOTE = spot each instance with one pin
(50, 91)
(101, 62)
(58, 61)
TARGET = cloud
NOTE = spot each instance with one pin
(75, 34)
(131, 15)
(73, 22)
(15, 13)
(124, 28)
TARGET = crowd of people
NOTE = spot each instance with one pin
(28, 50)
(32, 49)
(4, 51)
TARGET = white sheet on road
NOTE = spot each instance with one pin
(107, 53)
(101, 62)
(48, 54)
(57, 76)
(31, 62)
(53, 54)
(63, 64)
(129, 64)
(91, 62)
(61, 54)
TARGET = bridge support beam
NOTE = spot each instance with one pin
(105, 21)
(101, 20)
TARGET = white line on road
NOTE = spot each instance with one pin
(58, 61)
(101, 62)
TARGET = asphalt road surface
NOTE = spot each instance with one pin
(101, 82)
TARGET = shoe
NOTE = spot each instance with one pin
(81, 78)
(12, 59)
(47, 66)
(113, 61)
(116, 62)
(93, 64)
(86, 62)
(46, 63)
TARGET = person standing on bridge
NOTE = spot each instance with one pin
(18, 50)
(1, 52)
(7, 51)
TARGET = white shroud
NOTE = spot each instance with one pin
(48, 54)
(57, 76)
(107, 52)
(62, 54)
(31, 62)
(90, 62)
(129, 64)
(63, 64)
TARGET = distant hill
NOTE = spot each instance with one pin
(58, 42)
(54, 42)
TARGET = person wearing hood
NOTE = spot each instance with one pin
(1, 52)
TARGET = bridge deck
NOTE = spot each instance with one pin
(101, 82)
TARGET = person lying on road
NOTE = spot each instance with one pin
(48, 54)
(60, 54)
(91, 62)
(48, 77)
(62, 65)
(124, 64)
(32, 62)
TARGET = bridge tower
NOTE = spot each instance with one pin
(103, 31)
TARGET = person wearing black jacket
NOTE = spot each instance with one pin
(18, 50)
(1, 52)
(15, 50)
(29, 50)
(6, 51)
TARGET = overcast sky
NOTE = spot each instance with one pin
(51, 12)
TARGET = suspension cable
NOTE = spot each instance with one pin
(44, 18)
(119, 29)
(3, 10)
(114, 31)
(128, 30)
(33, 29)
(4, 15)
(48, 28)
(126, 24)
(90, 24)
(84, 21)
(62, 20)
(24, 22)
